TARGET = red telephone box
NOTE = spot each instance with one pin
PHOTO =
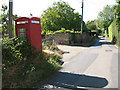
(29, 27)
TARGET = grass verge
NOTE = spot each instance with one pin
(21, 68)
(29, 73)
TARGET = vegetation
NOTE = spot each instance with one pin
(105, 18)
(4, 19)
(92, 28)
(60, 31)
(108, 22)
(114, 28)
(60, 15)
(91, 25)
(22, 67)
(113, 32)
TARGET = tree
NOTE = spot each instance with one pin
(61, 15)
(92, 28)
(118, 1)
(116, 12)
(91, 25)
(4, 19)
(105, 18)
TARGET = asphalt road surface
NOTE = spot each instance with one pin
(87, 67)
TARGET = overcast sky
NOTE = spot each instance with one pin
(36, 7)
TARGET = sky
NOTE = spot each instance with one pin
(91, 8)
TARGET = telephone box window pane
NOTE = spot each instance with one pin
(22, 22)
(22, 30)
(22, 34)
(35, 22)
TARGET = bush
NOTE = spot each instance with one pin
(63, 31)
(14, 51)
(49, 32)
(22, 68)
(77, 31)
(69, 31)
(43, 32)
(59, 31)
(29, 73)
(113, 32)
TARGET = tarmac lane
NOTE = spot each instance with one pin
(87, 67)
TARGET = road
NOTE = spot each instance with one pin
(87, 67)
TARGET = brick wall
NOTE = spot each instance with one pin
(68, 38)
(59, 38)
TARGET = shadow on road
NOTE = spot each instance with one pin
(100, 41)
(65, 52)
(73, 81)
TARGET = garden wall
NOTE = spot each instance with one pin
(59, 38)
(69, 38)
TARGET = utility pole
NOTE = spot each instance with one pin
(82, 19)
(10, 18)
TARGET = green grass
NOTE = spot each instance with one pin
(22, 68)
(29, 73)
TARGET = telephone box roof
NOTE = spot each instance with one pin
(28, 18)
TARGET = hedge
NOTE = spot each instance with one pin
(113, 32)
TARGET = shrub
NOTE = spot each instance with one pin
(21, 67)
(49, 32)
(43, 32)
(77, 31)
(63, 31)
(69, 31)
(59, 31)
(14, 51)
(113, 32)
(29, 73)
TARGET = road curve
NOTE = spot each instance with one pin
(87, 67)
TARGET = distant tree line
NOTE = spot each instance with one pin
(105, 18)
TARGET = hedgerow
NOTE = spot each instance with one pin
(113, 32)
